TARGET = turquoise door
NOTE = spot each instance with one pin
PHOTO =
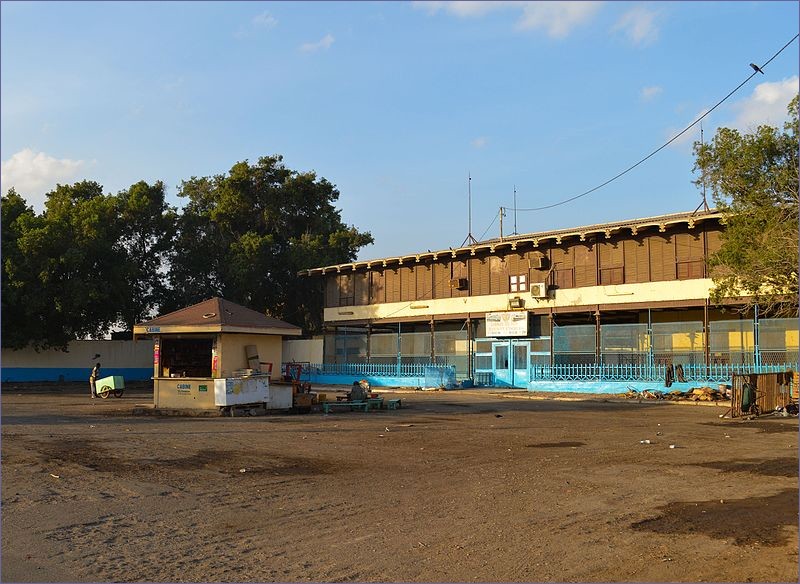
(501, 364)
(510, 363)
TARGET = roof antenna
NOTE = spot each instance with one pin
(515, 210)
(469, 238)
(704, 204)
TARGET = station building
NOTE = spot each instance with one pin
(623, 302)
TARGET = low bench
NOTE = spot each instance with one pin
(374, 403)
(393, 404)
(354, 405)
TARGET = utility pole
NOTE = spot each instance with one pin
(502, 212)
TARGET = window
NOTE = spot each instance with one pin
(518, 283)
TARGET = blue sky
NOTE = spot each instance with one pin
(393, 102)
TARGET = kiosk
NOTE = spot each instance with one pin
(215, 354)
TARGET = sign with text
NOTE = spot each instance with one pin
(507, 324)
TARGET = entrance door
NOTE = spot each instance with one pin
(501, 363)
(521, 357)
(510, 363)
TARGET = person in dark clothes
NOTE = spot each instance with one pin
(93, 377)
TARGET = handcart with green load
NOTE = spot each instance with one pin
(114, 384)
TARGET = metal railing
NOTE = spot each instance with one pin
(374, 369)
(642, 372)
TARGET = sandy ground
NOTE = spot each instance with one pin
(458, 486)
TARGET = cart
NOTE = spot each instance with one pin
(114, 384)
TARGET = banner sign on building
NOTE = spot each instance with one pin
(507, 324)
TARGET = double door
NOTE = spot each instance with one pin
(510, 363)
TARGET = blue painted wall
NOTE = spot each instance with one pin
(613, 386)
(13, 374)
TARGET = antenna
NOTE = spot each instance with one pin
(469, 239)
(704, 204)
(515, 210)
(502, 214)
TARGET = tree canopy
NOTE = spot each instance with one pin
(246, 234)
(91, 261)
(753, 177)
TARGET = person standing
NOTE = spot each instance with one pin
(93, 377)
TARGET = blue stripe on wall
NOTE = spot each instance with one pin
(11, 374)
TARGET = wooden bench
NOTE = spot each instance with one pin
(355, 405)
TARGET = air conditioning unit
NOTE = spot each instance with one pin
(538, 290)
(458, 283)
(537, 262)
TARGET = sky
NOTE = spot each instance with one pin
(395, 103)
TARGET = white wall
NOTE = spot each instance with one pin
(303, 350)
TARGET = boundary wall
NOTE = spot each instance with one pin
(131, 359)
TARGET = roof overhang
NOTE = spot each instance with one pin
(215, 329)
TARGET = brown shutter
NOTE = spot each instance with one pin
(713, 241)
(461, 270)
(377, 293)
(662, 257)
(423, 274)
(585, 265)
(392, 283)
(408, 284)
(479, 272)
(331, 291)
(441, 279)
(637, 265)
(612, 262)
(362, 288)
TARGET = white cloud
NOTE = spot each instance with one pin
(479, 142)
(766, 105)
(556, 18)
(692, 134)
(323, 44)
(650, 92)
(260, 21)
(264, 20)
(33, 174)
(638, 24)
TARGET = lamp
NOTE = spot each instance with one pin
(516, 302)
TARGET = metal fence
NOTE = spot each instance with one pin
(771, 391)
(380, 369)
(719, 373)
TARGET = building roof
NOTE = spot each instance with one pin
(632, 226)
(217, 315)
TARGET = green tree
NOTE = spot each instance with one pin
(246, 234)
(754, 181)
(19, 290)
(65, 269)
(147, 232)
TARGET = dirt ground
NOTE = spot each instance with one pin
(456, 486)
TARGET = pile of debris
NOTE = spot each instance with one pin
(696, 394)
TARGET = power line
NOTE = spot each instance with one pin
(756, 70)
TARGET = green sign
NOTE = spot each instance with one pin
(202, 388)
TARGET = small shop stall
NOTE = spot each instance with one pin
(217, 353)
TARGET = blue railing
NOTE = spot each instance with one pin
(715, 373)
(634, 372)
(372, 369)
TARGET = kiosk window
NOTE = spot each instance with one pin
(186, 357)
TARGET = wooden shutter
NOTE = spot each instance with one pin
(498, 275)
(346, 290)
(424, 277)
(636, 259)
(461, 270)
(377, 293)
(585, 265)
(662, 257)
(689, 254)
(392, 283)
(479, 273)
(408, 284)
(331, 291)
(362, 288)
(441, 279)
(611, 257)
